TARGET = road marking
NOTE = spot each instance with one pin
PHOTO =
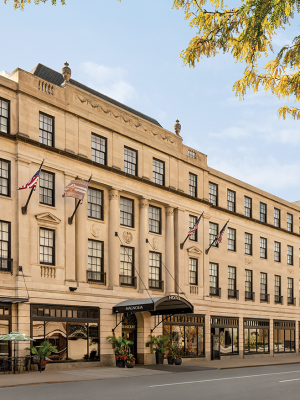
(224, 379)
(289, 380)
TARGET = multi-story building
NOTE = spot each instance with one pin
(76, 282)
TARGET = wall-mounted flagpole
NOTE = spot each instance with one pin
(182, 244)
(219, 236)
(24, 209)
(80, 201)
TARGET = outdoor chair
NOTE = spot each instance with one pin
(4, 366)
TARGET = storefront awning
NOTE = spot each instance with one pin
(13, 300)
(173, 304)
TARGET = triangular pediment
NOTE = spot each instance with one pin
(48, 217)
(194, 250)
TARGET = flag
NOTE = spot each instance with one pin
(76, 189)
(220, 235)
(195, 227)
(33, 181)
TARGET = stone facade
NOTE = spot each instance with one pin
(76, 115)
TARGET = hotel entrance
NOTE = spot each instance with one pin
(129, 332)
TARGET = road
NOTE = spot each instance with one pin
(274, 382)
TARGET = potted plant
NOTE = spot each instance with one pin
(130, 362)
(178, 356)
(122, 349)
(159, 345)
(44, 350)
(171, 353)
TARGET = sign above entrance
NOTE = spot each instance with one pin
(173, 304)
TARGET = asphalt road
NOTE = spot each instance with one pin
(276, 382)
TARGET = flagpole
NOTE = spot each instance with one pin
(24, 209)
(70, 219)
(182, 244)
(207, 250)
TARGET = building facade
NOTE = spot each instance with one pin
(119, 267)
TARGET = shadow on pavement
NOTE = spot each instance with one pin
(175, 368)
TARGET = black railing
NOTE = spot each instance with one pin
(233, 294)
(264, 298)
(156, 285)
(250, 296)
(96, 277)
(127, 280)
(291, 301)
(278, 299)
(215, 291)
(6, 265)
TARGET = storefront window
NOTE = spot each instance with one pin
(186, 332)
(284, 336)
(73, 331)
(227, 330)
(256, 336)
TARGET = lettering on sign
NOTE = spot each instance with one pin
(174, 297)
(132, 308)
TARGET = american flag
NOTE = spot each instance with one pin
(220, 235)
(76, 189)
(33, 181)
(194, 227)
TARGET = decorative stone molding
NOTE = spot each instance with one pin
(169, 211)
(66, 72)
(46, 87)
(48, 272)
(125, 118)
(113, 194)
(194, 289)
(290, 270)
(144, 203)
(155, 243)
(95, 231)
(194, 250)
(127, 237)
(206, 216)
(248, 261)
(48, 217)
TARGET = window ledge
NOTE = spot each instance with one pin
(46, 205)
(101, 221)
(127, 227)
(3, 197)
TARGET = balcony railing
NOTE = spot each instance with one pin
(250, 296)
(127, 280)
(233, 294)
(215, 291)
(156, 285)
(96, 277)
(291, 301)
(278, 299)
(6, 265)
(264, 298)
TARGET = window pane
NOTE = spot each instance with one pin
(158, 171)
(46, 130)
(130, 161)
(98, 149)
(95, 203)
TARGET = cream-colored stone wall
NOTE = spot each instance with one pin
(77, 115)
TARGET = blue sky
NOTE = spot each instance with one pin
(131, 51)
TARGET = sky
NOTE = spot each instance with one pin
(130, 51)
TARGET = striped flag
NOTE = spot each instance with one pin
(220, 235)
(76, 189)
(33, 181)
(195, 227)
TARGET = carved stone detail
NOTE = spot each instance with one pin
(206, 215)
(113, 194)
(290, 270)
(195, 250)
(144, 203)
(155, 243)
(177, 127)
(66, 72)
(48, 217)
(127, 237)
(248, 261)
(169, 211)
(126, 119)
(95, 230)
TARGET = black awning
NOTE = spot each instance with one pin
(13, 300)
(173, 304)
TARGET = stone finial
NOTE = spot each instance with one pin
(66, 72)
(177, 127)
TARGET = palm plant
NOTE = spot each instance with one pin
(159, 343)
(120, 344)
(42, 351)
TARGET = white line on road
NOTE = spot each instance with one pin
(224, 379)
(289, 380)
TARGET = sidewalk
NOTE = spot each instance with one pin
(78, 375)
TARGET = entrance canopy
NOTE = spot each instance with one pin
(164, 305)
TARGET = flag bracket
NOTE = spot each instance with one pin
(24, 208)
(70, 219)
